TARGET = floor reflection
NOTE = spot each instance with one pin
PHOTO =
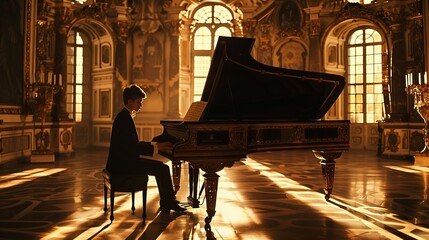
(271, 195)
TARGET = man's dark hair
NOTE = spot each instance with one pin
(133, 92)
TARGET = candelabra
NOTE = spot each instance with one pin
(43, 98)
(420, 93)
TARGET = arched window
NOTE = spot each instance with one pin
(365, 97)
(211, 21)
(75, 60)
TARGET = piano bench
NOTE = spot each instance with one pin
(124, 183)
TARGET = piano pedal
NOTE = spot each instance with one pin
(184, 204)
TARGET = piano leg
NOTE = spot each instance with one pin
(194, 173)
(211, 180)
(327, 162)
(177, 168)
(210, 183)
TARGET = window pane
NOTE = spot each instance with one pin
(352, 52)
(78, 108)
(198, 88)
(202, 40)
(359, 78)
(359, 108)
(378, 58)
(369, 78)
(78, 98)
(78, 117)
(359, 98)
(369, 69)
(356, 37)
(223, 31)
(201, 66)
(359, 59)
(377, 49)
(79, 79)
(369, 59)
(203, 14)
(79, 89)
(359, 89)
(70, 89)
(369, 50)
(221, 14)
(368, 35)
(69, 107)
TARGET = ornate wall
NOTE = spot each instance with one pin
(148, 42)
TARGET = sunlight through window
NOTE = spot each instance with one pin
(15, 179)
(365, 76)
(211, 21)
(311, 198)
(75, 65)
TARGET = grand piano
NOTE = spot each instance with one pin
(246, 107)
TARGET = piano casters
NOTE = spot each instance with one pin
(327, 162)
(210, 183)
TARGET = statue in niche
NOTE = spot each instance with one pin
(152, 59)
(289, 16)
(332, 54)
(264, 53)
(292, 55)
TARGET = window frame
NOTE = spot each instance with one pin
(205, 52)
(365, 85)
(72, 103)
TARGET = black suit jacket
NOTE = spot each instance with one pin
(125, 147)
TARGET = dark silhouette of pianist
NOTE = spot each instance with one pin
(125, 150)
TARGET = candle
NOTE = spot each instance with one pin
(61, 80)
(425, 80)
(407, 83)
(49, 75)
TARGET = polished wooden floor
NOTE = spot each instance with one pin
(270, 195)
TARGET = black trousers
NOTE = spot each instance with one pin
(161, 172)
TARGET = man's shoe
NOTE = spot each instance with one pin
(176, 208)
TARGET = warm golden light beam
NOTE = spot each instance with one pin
(420, 168)
(20, 178)
(402, 169)
(22, 173)
(236, 214)
(115, 230)
(306, 195)
(382, 215)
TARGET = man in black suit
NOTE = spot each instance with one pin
(125, 149)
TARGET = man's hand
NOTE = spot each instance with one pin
(164, 146)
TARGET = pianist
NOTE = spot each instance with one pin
(125, 150)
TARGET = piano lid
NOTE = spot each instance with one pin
(240, 88)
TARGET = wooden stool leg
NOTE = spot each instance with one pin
(112, 204)
(144, 192)
(132, 200)
(105, 198)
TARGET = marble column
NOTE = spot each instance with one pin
(62, 16)
(398, 94)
